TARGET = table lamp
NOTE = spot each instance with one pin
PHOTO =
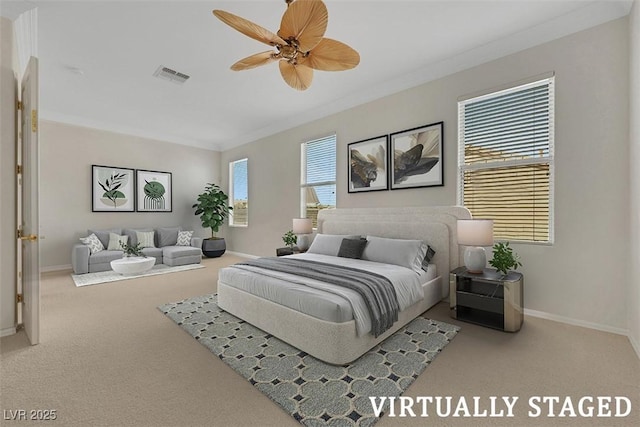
(303, 228)
(475, 233)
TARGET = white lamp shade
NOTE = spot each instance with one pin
(475, 232)
(302, 226)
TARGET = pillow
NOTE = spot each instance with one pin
(103, 235)
(406, 253)
(352, 248)
(114, 242)
(132, 233)
(168, 236)
(328, 244)
(184, 238)
(145, 239)
(429, 254)
(95, 245)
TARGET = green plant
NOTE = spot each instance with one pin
(290, 239)
(132, 250)
(504, 258)
(213, 208)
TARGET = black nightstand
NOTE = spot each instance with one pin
(488, 298)
(288, 251)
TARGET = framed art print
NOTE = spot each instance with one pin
(417, 157)
(368, 161)
(112, 189)
(153, 193)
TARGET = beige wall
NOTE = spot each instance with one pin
(7, 180)
(583, 275)
(634, 277)
(66, 155)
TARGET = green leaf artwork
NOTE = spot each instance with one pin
(154, 195)
(111, 186)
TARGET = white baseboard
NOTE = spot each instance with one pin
(576, 322)
(243, 255)
(53, 268)
(635, 344)
(7, 331)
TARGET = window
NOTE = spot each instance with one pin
(318, 188)
(505, 160)
(239, 193)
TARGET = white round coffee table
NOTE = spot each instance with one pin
(132, 265)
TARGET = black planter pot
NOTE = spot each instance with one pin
(213, 248)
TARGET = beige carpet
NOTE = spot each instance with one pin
(108, 357)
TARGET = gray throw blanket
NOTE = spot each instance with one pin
(376, 290)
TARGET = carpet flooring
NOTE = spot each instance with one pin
(111, 276)
(313, 392)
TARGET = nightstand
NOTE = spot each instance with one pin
(289, 251)
(488, 298)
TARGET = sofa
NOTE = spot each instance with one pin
(166, 250)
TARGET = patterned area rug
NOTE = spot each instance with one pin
(111, 276)
(313, 392)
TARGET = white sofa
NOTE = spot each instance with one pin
(165, 252)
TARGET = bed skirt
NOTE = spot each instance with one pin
(335, 343)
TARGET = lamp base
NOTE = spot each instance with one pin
(304, 241)
(475, 259)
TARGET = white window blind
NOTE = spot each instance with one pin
(506, 160)
(318, 177)
(239, 192)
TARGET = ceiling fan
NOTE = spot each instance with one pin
(300, 43)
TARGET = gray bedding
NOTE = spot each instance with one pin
(323, 300)
(376, 290)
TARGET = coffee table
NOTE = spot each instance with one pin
(132, 265)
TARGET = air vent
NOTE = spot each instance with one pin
(173, 76)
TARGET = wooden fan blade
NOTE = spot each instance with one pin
(297, 76)
(256, 60)
(306, 21)
(248, 28)
(331, 55)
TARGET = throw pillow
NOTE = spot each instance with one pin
(145, 239)
(95, 245)
(430, 253)
(328, 244)
(406, 253)
(167, 236)
(115, 240)
(352, 248)
(184, 238)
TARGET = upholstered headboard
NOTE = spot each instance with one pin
(435, 225)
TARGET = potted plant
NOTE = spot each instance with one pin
(290, 240)
(132, 250)
(504, 258)
(213, 208)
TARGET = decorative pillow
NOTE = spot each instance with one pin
(406, 253)
(115, 240)
(328, 244)
(103, 235)
(168, 236)
(145, 239)
(95, 245)
(429, 254)
(184, 238)
(352, 248)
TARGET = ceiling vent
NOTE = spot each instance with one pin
(173, 76)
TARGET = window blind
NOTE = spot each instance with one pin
(318, 186)
(239, 192)
(506, 160)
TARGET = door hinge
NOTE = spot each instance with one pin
(19, 105)
(19, 298)
(18, 169)
(34, 120)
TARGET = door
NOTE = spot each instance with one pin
(28, 204)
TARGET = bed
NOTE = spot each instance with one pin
(325, 326)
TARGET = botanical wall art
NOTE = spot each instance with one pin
(112, 189)
(416, 159)
(153, 192)
(368, 161)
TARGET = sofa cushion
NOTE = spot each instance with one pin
(154, 252)
(94, 244)
(104, 257)
(133, 237)
(146, 239)
(115, 240)
(173, 252)
(167, 236)
(103, 235)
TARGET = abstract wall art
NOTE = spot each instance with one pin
(368, 160)
(153, 191)
(112, 189)
(416, 157)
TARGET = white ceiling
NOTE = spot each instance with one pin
(118, 46)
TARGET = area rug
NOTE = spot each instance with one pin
(111, 276)
(313, 392)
